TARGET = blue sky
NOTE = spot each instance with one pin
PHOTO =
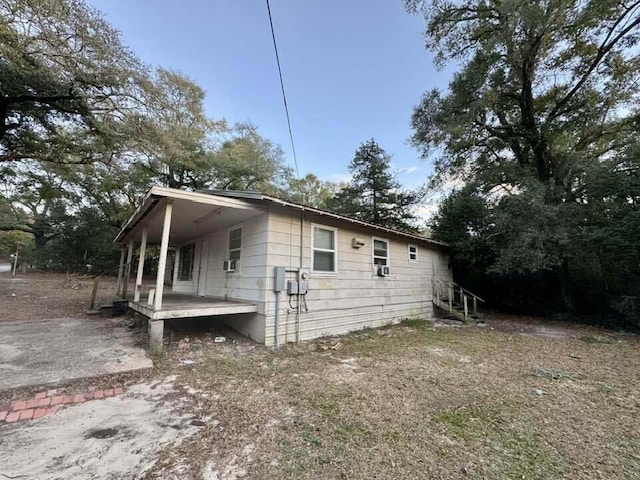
(352, 70)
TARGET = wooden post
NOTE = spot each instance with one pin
(120, 273)
(151, 297)
(143, 251)
(475, 306)
(127, 273)
(162, 262)
(450, 298)
(466, 306)
(94, 292)
(15, 260)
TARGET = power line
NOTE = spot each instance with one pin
(284, 96)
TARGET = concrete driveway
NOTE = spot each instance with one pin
(59, 350)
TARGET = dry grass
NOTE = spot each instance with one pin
(414, 401)
(44, 296)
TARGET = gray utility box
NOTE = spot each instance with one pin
(278, 279)
(297, 288)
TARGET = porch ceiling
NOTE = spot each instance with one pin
(193, 215)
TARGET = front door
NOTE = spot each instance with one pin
(201, 264)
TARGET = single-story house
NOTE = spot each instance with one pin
(274, 270)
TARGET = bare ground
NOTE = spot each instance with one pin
(515, 399)
(41, 296)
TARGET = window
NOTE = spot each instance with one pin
(380, 252)
(324, 250)
(235, 243)
(187, 252)
(413, 253)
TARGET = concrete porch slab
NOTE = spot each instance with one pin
(54, 351)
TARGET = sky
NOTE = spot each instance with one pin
(353, 70)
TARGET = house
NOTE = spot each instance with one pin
(274, 270)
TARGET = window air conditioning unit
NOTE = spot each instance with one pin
(230, 265)
(383, 271)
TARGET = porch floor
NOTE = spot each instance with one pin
(180, 305)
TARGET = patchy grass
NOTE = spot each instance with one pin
(414, 401)
(553, 373)
(596, 339)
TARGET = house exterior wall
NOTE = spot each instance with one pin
(355, 297)
(247, 283)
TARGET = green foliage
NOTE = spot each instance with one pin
(374, 195)
(65, 82)
(312, 191)
(539, 125)
(86, 129)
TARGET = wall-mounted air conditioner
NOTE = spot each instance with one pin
(383, 271)
(230, 265)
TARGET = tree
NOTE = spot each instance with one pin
(374, 195)
(66, 82)
(248, 161)
(171, 135)
(544, 97)
(311, 191)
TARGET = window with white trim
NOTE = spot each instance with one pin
(324, 241)
(235, 243)
(187, 255)
(413, 253)
(380, 252)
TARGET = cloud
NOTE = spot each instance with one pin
(426, 211)
(407, 170)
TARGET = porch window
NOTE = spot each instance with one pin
(187, 252)
(235, 243)
(324, 249)
(380, 252)
(413, 253)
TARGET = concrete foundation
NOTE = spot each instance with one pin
(156, 334)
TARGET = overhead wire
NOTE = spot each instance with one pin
(284, 95)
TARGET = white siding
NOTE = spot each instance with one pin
(355, 297)
(247, 283)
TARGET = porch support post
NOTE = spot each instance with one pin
(127, 273)
(120, 272)
(143, 251)
(162, 262)
(156, 334)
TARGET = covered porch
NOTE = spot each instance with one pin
(180, 305)
(169, 218)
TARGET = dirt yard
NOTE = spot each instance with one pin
(515, 399)
(41, 296)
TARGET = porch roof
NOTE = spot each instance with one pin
(194, 214)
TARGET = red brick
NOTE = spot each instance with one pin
(52, 410)
(67, 399)
(3, 415)
(33, 403)
(26, 414)
(44, 402)
(40, 412)
(20, 405)
(52, 392)
(89, 396)
(78, 398)
(40, 395)
(13, 417)
(108, 393)
(98, 394)
(118, 391)
(57, 399)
